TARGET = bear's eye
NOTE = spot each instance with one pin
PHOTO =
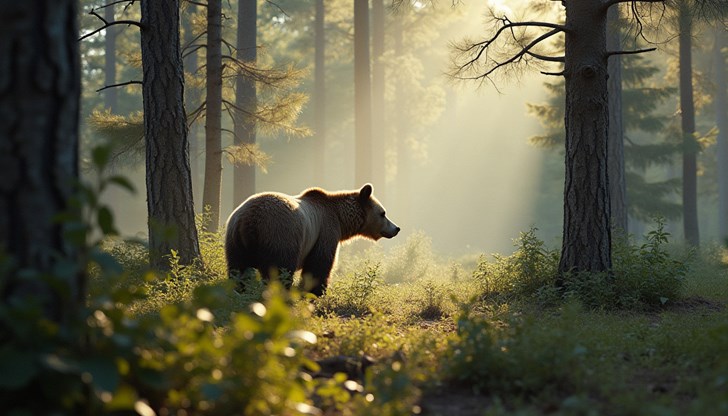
(383, 214)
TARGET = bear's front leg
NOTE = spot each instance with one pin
(317, 267)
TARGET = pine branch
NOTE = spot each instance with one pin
(611, 53)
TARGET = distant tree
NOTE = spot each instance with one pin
(246, 98)
(319, 93)
(39, 136)
(169, 186)
(586, 245)
(721, 118)
(193, 96)
(213, 117)
(617, 181)
(362, 94)
(378, 97)
(110, 97)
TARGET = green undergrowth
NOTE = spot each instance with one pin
(400, 331)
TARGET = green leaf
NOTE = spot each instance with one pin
(100, 156)
(17, 368)
(123, 182)
(106, 221)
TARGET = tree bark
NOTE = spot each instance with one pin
(245, 98)
(39, 106)
(319, 94)
(110, 94)
(378, 102)
(587, 232)
(617, 178)
(687, 118)
(721, 120)
(213, 116)
(169, 186)
(404, 154)
(362, 94)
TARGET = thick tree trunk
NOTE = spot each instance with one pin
(617, 179)
(245, 98)
(110, 95)
(587, 234)
(362, 95)
(687, 117)
(169, 186)
(319, 95)
(39, 105)
(213, 116)
(378, 130)
(192, 102)
(721, 120)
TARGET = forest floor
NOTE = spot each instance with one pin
(418, 334)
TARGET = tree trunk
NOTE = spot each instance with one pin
(617, 180)
(319, 95)
(404, 155)
(213, 116)
(687, 118)
(169, 186)
(110, 95)
(721, 120)
(245, 98)
(362, 95)
(192, 101)
(39, 106)
(587, 234)
(378, 130)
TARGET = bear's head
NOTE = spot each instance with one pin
(376, 224)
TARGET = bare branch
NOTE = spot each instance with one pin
(611, 3)
(108, 24)
(193, 40)
(524, 51)
(196, 3)
(556, 74)
(547, 58)
(119, 85)
(611, 53)
(278, 7)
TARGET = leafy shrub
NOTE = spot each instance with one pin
(410, 261)
(643, 277)
(521, 274)
(432, 305)
(352, 295)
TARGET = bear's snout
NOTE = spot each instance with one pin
(390, 232)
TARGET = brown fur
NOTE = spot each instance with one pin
(273, 231)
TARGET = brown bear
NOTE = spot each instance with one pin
(273, 231)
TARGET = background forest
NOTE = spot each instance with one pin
(478, 137)
(485, 138)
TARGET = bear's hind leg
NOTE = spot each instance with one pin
(316, 270)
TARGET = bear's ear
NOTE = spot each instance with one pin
(365, 192)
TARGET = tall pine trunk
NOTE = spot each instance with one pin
(617, 180)
(587, 234)
(362, 95)
(213, 116)
(169, 186)
(687, 118)
(378, 130)
(721, 120)
(39, 105)
(245, 98)
(319, 94)
(110, 94)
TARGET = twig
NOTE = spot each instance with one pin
(119, 85)
(611, 53)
